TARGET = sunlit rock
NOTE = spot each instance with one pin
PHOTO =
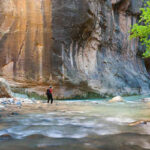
(146, 100)
(116, 99)
(38, 102)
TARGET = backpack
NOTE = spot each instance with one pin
(48, 92)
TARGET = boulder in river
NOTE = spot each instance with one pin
(5, 90)
(116, 99)
(5, 137)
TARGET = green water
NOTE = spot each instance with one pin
(78, 125)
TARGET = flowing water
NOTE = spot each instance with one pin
(77, 125)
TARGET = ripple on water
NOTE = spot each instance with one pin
(119, 120)
(90, 120)
(55, 127)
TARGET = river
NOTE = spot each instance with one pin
(77, 125)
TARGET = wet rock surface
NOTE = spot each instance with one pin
(77, 44)
(116, 99)
(5, 90)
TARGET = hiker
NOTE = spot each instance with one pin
(49, 94)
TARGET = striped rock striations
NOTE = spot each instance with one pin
(78, 44)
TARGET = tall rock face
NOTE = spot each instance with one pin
(80, 44)
(25, 38)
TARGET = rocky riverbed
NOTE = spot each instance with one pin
(15, 106)
(22, 104)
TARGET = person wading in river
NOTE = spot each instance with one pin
(49, 94)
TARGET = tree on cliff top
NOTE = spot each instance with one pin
(141, 29)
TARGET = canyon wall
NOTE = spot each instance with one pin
(73, 44)
(25, 38)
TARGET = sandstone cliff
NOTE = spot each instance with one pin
(75, 44)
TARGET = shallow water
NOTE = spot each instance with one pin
(77, 125)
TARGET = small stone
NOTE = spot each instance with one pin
(14, 113)
(18, 103)
(38, 102)
(11, 101)
(1, 106)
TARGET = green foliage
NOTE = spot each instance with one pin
(141, 29)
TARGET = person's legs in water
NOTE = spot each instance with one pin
(48, 98)
(51, 97)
